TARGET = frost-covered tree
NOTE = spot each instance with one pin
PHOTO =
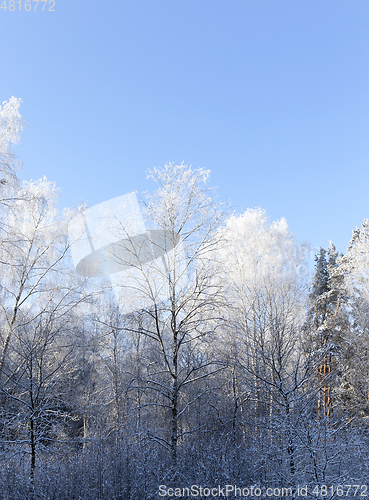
(34, 244)
(39, 292)
(327, 325)
(11, 124)
(36, 386)
(264, 270)
(183, 311)
(355, 263)
(353, 267)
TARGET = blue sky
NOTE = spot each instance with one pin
(271, 95)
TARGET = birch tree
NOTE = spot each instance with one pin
(184, 299)
(38, 294)
(36, 386)
(33, 246)
(11, 124)
(265, 272)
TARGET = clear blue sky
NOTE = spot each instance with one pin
(271, 95)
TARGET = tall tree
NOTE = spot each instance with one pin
(263, 268)
(327, 323)
(354, 269)
(39, 291)
(184, 300)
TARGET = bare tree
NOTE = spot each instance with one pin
(182, 298)
(264, 270)
(39, 292)
(11, 124)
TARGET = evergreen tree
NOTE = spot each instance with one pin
(355, 375)
(319, 289)
(327, 323)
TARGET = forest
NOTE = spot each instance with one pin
(250, 371)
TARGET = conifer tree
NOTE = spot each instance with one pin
(354, 270)
(328, 321)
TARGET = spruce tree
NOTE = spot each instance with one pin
(326, 324)
(354, 266)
